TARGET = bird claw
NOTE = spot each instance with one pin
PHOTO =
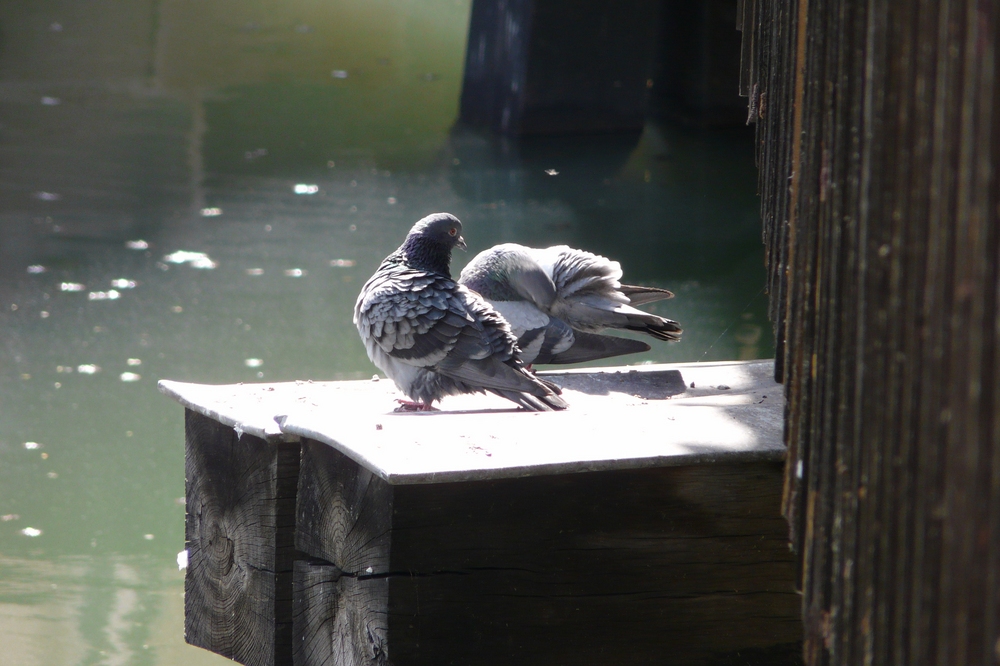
(410, 406)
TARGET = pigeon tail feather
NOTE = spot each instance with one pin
(640, 295)
(593, 346)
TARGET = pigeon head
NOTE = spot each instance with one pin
(428, 245)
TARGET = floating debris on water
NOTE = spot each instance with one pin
(71, 286)
(86, 369)
(134, 361)
(305, 188)
(255, 154)
(31, 532)
(122, 283)
(31, 446)
(7, 517)
(129, 377)
(253, 362)
(44, 314)
(295, 272)
(182, 560)
(391, 201)
(551, 172)
(52, 475)
(211, 212)
(55, 27)
(148, 537)
(177, 309)
(36, 269)
(109, 295)
(255, 271)
(193, 259)
(51, 101)
(339, 73)
(342, 263)
(137, 245)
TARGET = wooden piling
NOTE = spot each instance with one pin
(559, 66)
(878, 131)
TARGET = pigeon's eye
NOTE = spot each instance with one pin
(453, 231)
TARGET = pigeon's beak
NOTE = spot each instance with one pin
(461, 244)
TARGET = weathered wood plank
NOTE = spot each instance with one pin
(338, 619)
(883, 233)
(576, 569)
(667, 420)
(344, 516)
(240, 502)
(498, 471)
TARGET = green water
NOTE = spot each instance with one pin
(131, 131)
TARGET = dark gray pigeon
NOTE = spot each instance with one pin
(432, 336)
(557, 300)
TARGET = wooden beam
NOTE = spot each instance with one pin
(240, 502)
(484, 534)
(572, 568)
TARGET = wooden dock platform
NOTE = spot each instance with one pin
(642, 524)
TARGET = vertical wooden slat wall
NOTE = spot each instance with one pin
(878, 127)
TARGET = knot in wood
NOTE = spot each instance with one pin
(221, 551)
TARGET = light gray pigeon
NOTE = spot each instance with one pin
(557, 300)
(432, 336)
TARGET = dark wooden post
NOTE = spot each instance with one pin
(558, 66)
(697, 76)
(240, 509)
(534, 571)
(641, 526)
(879, 127)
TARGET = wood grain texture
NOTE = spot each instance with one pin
(238, 533)
(338, 619)
(629, 565)
(344, 511)
(683, 564)
(883, 232)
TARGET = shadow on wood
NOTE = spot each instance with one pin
(630, 565)
(240, 509)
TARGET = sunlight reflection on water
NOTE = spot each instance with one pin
(149, 233)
